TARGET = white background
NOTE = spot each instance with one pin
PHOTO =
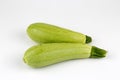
(97, 18)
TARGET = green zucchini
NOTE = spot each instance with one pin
(46, 33)
(51, 53)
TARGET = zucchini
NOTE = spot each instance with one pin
(51, 53)
(46, 33)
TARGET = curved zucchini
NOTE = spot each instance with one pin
(51, 53)
(42, 32)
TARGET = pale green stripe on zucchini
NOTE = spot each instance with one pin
(51, 53)
(46, 33)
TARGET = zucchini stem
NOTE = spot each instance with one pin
(97, 52)
(88, 39)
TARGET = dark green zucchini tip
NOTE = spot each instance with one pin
(97, 52)
(88, 39)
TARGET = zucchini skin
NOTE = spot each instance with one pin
(51, 53)
(47, 33)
